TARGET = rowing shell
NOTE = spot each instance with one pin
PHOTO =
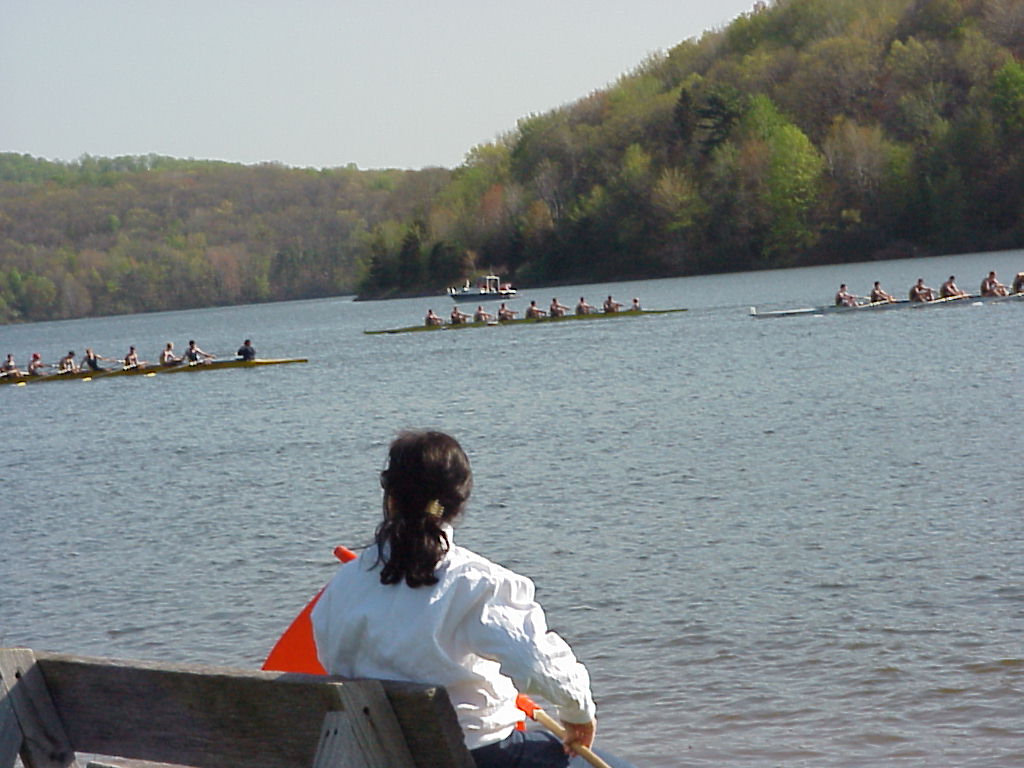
(150, 370)
(528, 321)
(882, 305)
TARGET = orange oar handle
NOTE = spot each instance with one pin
(344, 553)
(534, 712)
(528, 705)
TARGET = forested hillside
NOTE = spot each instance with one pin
(132, 234)
(807, 131)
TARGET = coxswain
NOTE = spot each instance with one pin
(534, 311)
(36, 365)
(504, 313)
(416, 606)
(458, 316)
(91, 360)
(481, 316)
(992, 287)
(131, 360)
(167, 357)
(67, 363)
(246, 352)
(844, 298)
(557, 309)
(919, 292)
(432, 319)
(1018, 283)
(582, 308)
(950, 290)
(9, 368)
(610, 305)
(195, 355)
(879, 295)
(635, 306)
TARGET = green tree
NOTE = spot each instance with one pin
(410, 260)
(834, 78)
(719, 111)
(940, 19)
(444, 265)
(37, 297)
(1008, 98)
(856, 158)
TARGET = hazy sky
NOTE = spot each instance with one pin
(323, 83)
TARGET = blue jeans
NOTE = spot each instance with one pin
(534, 749)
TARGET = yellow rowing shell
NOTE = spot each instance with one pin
(529, 321)
(151, 370)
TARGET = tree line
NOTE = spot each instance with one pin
(132, 234)
(805, 132)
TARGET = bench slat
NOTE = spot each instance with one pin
(355, 726)
(431, 728)
(10, 731)
(142, 714)
(36, 726)
(213, 717)
(114, 762)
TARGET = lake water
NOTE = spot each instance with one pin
(785, 542)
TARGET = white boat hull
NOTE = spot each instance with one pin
(883, 305)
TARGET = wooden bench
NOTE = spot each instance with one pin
(54, 706)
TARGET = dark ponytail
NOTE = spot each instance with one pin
(426, 483)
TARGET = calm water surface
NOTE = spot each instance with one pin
(788, 542)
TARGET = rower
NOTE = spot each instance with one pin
(67, 363)
(635, 306)
(1018, 283)
(919, 292)
(167, 357)
(480, 316)
(458, 316)
(557, 309)
(533, 311)
(610, 305)
(950, 290)
(9, 369)
(432, 319)
(131, 360)
(36, 365)
(844, 298)
(504, 313)
(582, 308)
(91, 360)
(195, 355)
(246, 351)
(879, 295)
(992, 287)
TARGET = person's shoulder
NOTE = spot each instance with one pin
(477, 572)
(365, 562)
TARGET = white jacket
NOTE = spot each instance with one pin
(478, 632)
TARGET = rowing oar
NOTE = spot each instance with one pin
(534, 712)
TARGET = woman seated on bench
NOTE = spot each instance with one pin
(416, 607)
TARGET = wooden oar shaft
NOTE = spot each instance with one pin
(556, 728)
